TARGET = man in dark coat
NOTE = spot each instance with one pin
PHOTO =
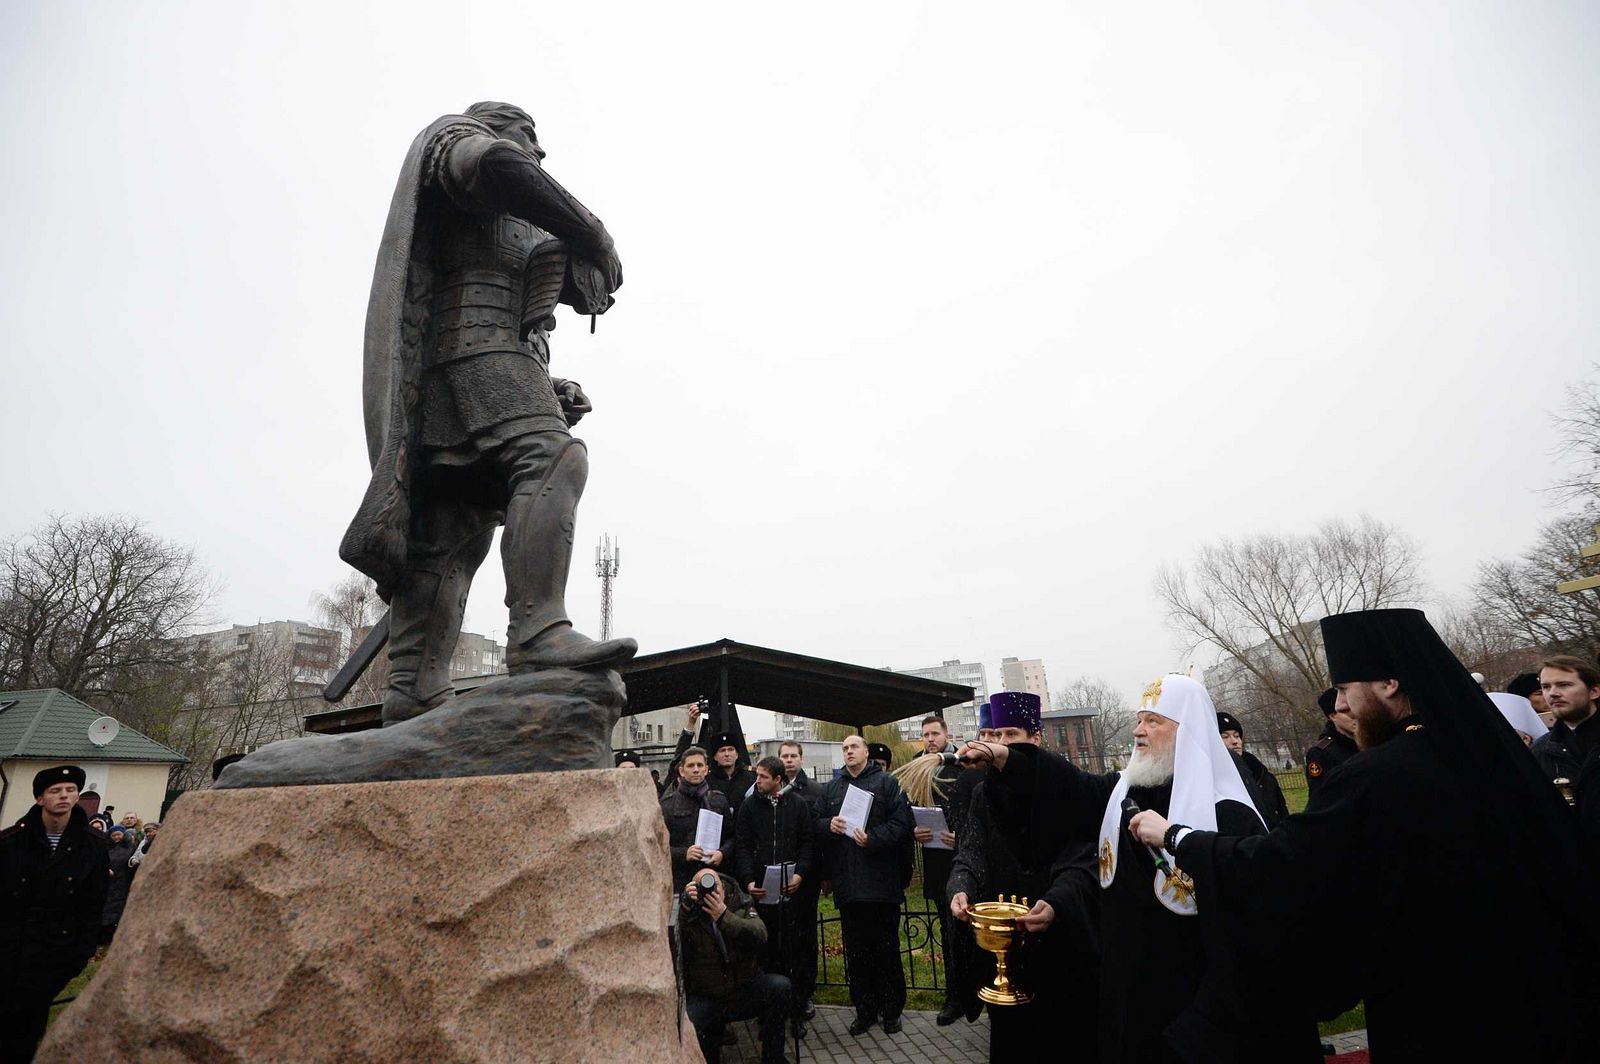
(864, 866)
(1334, 747)
(1413, 856)
(1570, 751)
(1262, 783)
(1017, 842)
(680, 808)
(729, 773)
(53, 881)
(774, 827)
(803, 906)
(466, 429)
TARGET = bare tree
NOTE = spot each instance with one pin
(94, 606)
(1114, 716)
(254, 696)
(351, 607)
(1257, 601)
(1579, 424)
(1520, 594)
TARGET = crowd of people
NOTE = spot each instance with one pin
(1177, 910)
(1438, 874)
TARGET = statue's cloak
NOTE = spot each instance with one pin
(397, 326)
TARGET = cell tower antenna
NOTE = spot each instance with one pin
(607, 560)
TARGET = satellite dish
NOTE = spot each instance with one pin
(103, 730)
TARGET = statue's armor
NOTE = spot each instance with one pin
(482, 383)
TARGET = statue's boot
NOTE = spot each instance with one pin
(536, 549)
(425, 617)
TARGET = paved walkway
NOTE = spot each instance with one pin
(921, 1042)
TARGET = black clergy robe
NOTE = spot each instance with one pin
(1016, 842)
(1440, 934)
(1162, 994)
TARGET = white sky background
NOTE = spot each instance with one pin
(943, 325)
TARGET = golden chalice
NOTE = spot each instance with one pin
(996, 926)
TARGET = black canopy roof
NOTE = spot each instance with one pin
(731, 673)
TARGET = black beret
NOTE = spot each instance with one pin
(1325, 701)
(880, 752)
(1226, 722)
(727, 738)
(59, 774)
(629, 755)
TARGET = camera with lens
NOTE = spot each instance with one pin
(705, 883)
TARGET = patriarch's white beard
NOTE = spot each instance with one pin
(1149, 766)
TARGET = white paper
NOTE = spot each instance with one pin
(931, 818)
(856, 808)
(773, 882)
(708, 832)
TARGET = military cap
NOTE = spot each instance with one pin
(727, 738)
(1227, 722)
(629, 755)
(1524, 684)
(1325, 701)
(59, 774)
(880, 752)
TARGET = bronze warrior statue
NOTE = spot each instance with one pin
(466, 429)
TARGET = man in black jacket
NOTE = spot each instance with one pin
(803, 906)
(1336, 745)
(53, 879)
(1262, 783)
(774, 828)
(864, 866)
(728, 775)
(1570, 751)
(680, 808)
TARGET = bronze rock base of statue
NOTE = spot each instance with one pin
(553, 720)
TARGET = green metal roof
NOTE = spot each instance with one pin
(53, 725)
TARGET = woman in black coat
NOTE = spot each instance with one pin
(121, 848)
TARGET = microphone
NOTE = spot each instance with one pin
(1131, 807)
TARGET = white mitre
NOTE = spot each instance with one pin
(1203, 774)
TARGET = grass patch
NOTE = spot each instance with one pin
(79, 981)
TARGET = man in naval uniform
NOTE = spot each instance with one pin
(466, 429)
(1334, 746)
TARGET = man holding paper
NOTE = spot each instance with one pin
(699, 822)
(863, 821)
(772, 857)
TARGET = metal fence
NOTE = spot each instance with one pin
(921, 942)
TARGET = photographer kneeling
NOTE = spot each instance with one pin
(722, 938)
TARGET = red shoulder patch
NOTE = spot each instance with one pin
(1314, 768)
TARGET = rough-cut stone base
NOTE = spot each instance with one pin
(547, 721)
(506, 918)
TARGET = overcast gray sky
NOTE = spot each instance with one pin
(943, 326)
